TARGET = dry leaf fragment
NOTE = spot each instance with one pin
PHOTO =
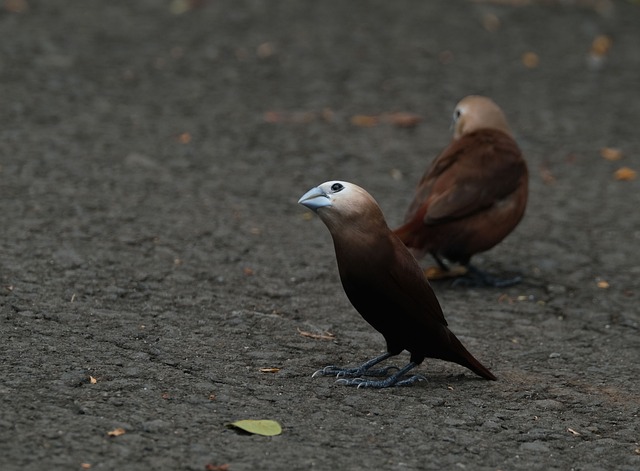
(248, 271)
(16, 6)
(625, 174)
(570, 430)
(602, 284)
(404, 119)
(272, 117)
(269, 370)
(327, 114)
(295, 117)
(547, 176)
(217, 467)
(85, 465)
(178, 7)
(325, 336)
(491, 22)
(601, 45)
(364, 121)
(531, 60)
(395, 174)
(611, 153)
(92, 380)
(265, 50)
(184, 138)
(116, 432)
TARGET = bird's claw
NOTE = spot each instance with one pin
(411, 380)
(350, 381)
(331, 370)
(357, 382)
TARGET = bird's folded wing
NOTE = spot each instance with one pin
(476, 177)
(412, 290)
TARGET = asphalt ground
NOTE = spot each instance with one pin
(158, 279)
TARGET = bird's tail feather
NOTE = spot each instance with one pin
(464, 358)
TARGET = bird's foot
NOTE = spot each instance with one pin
(391, 381)
(362, 370)
(479, 278)
(397, 379)
(352, 372)
(437, 273)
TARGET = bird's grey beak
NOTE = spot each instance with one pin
(315, 198)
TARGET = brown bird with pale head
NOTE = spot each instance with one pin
(386, 285)
(472, 195)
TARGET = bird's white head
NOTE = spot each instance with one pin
(337, 202)
(476, 112)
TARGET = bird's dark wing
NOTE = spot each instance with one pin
(472, 174)
(407, 279)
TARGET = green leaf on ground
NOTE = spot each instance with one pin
(267, 428)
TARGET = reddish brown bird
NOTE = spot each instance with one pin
(473, 194)
(386, 285)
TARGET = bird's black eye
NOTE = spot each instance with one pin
(336, 187)
(456, 114)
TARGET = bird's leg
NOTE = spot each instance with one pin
(443, 271)
(395, 379)
(362, 370)
(477, 277)
(443, 266)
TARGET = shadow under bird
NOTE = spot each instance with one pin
(386, 285)
(471, 196)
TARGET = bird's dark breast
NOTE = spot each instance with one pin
(399, 310)
(385, 314)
